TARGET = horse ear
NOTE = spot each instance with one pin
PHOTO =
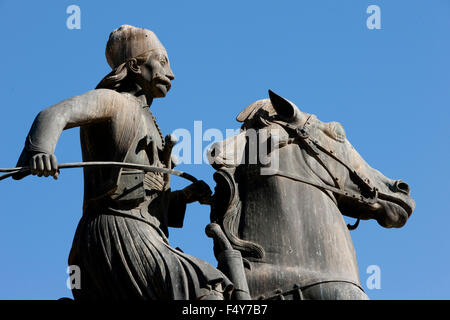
(283, 107)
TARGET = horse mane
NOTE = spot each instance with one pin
(227, 206)
(226, 211)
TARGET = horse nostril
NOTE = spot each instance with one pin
(401, 186)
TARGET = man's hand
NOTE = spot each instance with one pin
(198, 191)
(44, 164)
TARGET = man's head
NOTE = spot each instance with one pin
(144, 57)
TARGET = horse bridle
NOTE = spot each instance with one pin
(302, 132)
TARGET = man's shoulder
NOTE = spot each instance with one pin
(122, 99)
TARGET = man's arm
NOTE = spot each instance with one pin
(197, 191)
(93, 106)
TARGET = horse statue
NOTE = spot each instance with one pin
(282, 186)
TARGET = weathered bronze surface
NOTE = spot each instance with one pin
(285, 216)
(121, 243)
(283, 185)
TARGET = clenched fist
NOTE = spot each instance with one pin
(198, 191)
(44, 164)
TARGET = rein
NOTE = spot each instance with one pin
(145, 168)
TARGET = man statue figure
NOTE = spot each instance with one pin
(121, 243)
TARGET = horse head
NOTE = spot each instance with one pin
(334, 166)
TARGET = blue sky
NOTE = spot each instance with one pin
(389, 88)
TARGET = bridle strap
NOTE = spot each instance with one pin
(344, 193)
(315, 149)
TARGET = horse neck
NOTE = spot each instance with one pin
(291, 212)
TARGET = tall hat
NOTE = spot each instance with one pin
(127, 42)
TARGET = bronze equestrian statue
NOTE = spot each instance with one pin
(283, 185)
(284, 212)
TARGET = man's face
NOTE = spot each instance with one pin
(157, 74)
